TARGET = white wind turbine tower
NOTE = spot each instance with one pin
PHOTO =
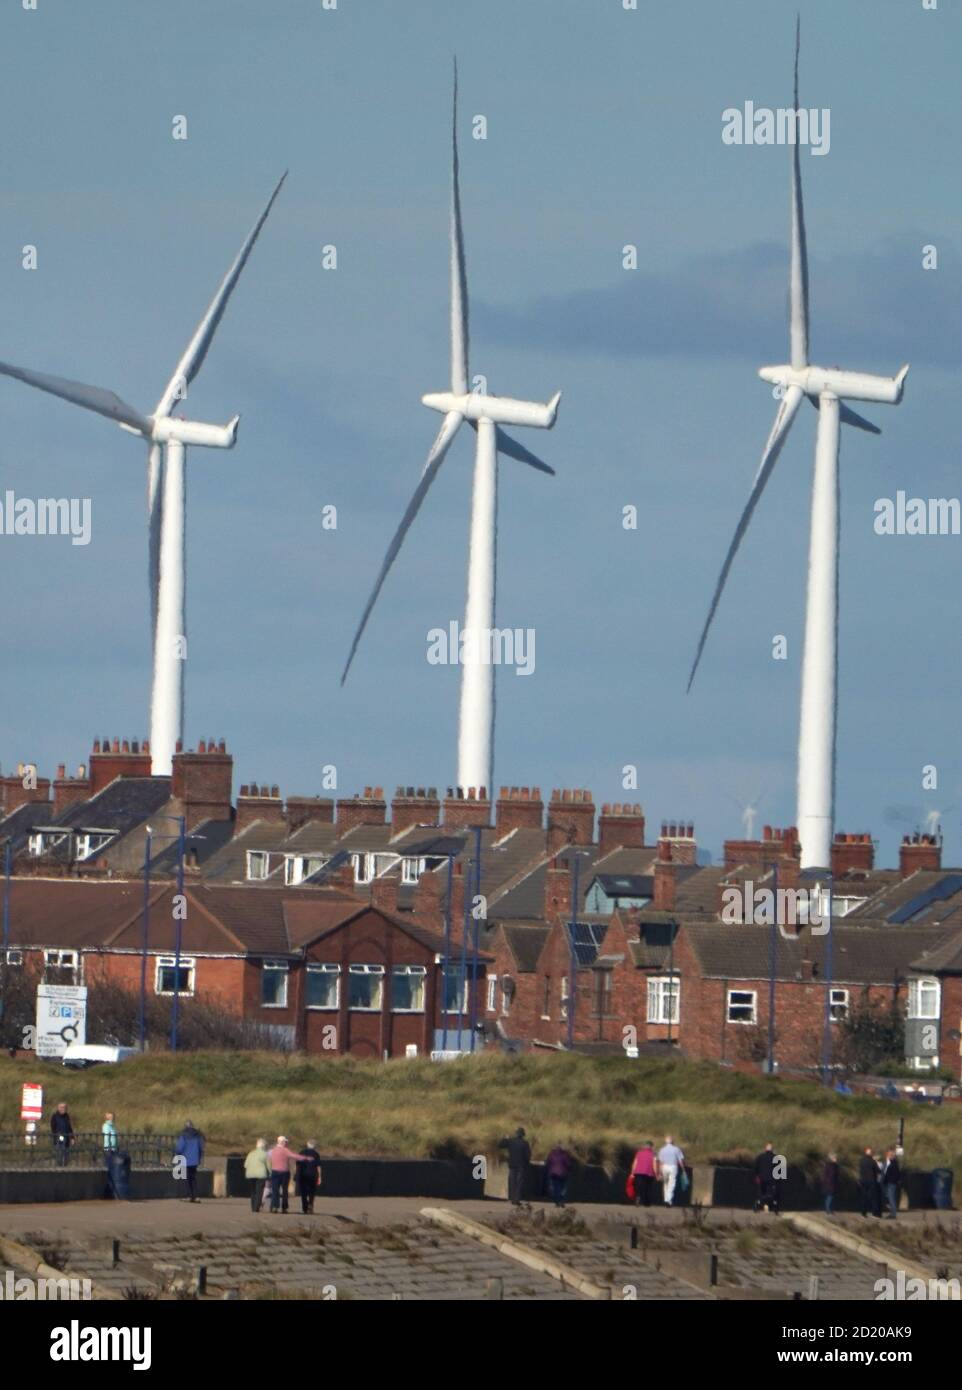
(827, 389)
(486, 415)
(168, 437)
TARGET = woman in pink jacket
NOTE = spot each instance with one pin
(281, 1159)
(645, 1172)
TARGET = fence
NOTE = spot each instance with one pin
(38, 1150)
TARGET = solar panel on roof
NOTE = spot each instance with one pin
(937, 892)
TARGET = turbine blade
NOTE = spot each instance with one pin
(773, 447)
(848, 416)
(439, 448)
(193, 358)
(155, 481)
(459, 279)
(798, 275)
(513, 450)
(90, 397)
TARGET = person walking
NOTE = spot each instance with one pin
(644, 1169)
(281, 1158)
(891, 1182)
(111, 1145)
(308, 1175)
(257, 1171)
(61, 1131)
(830, 1175)
(671, 1160)
(519, 1158)
(766, 1181)
(868, 1184)
(557, 1169)
(190, 1147)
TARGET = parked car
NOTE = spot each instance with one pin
(93, 1054)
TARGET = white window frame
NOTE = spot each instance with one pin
(412, 868)
(564, 998)
(546, 999)
(838, 1004)
(924, 984)
(298, 867)
(664, 999)
(276, 967)
(41, 841)
(263, 858)
(61, 960)
(455, 974)
(187, 963)
(492, 997)
(363, 867)
(84, 846)
(323, 967)
(362, 968)
(419, 970)
(14, 956)
(751, 994)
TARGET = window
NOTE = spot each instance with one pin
(602, 993)
(363, 867)
(411, 870)
(298, 867)
(274, 976)
(90, 842)
(456, 992)
(838, 1005)
(407, 989)
(42, 841)
(323, 986)
(61, 967)
(564, 996)
(167, 975)
(14, 957)
(492, 1000)
(258, 863)
(546, 1000)
(663, 999)
(741, 1005)
(924, 998)
(366, 992)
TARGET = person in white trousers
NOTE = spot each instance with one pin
(670, 1160)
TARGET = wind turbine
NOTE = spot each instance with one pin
(486, 415)
(168, 437)
(827, 389)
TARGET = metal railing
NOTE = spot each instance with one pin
(86, 1150)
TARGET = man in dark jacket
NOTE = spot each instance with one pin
(868, 1184)
(190, 1147)
(519, 1156)
(766, 1181)
(308, 1169)
(62, 1131)
(891, 1182)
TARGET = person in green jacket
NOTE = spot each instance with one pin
(257, 1169)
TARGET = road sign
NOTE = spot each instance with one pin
(61, 1018)
(31, 1101)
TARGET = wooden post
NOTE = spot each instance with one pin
(494, 1288)
(201, 1285)
(115, 1253)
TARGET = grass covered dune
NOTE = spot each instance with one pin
(600, 1107)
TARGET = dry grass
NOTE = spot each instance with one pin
(600, 1107)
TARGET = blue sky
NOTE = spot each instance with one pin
(604, 128)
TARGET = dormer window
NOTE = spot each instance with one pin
(258, 864)
(91, 842)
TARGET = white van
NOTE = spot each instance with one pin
(93, 1054)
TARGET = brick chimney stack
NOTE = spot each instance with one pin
(67, 791)
(369, 809)
(255, 803)
(14, 792)
(571, 818)
(429, 898)
(852, 854)
(666, 873)
(201, 782)
(384, 891)
(113, 758)
(302, 810)
(518, 808)
(557, 892)
(414, 806)
(466, 807)
(919, 851)
(620, 826)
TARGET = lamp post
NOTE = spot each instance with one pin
(181, 838)
(827, 1023)
(148, 838)
(7, 859)
(475, 928)
(573, 954)
(772, 959)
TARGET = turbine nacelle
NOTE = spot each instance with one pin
(501, 410)
(852, 386)
(166, 429)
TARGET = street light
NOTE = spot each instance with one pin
(573, 954)
(181, 838)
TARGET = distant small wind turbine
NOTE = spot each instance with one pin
(486, 414)
(166, 501)
(827, 389)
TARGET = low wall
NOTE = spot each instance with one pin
(379, 1177)
(587, 1182)
(90, 1184)
(724, 1186)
